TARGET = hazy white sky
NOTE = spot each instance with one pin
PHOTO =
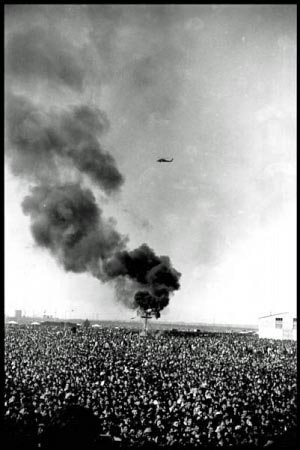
(214, 87)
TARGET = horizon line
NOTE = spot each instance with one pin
(166, 322)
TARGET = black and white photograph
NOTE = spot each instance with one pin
(150, 226)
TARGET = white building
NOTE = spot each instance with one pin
(278, 326)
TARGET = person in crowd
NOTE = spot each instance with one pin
(214, 390)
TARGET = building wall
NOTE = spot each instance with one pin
(267, 327)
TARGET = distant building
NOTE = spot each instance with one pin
(18, 314)
(278, 326)
(46, 316)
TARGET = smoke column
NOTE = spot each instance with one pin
(45, 145)
(154, 274)
(66, 220)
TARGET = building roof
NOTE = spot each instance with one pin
(277, 314)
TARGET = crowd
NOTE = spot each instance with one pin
(224, 390)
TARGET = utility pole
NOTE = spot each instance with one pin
(147, 315)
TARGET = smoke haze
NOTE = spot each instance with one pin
(35, 55)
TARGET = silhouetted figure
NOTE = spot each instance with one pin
(72, 427)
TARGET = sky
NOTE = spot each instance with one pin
(212, 86)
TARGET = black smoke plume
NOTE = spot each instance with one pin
(48, 146)
(42, 143)
(67, 221)
(154, 275)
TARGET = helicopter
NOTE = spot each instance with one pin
(165, 160)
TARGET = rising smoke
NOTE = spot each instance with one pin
(44, 142)
(43, 145)
(67, 221)
(35, 54)
(153, 273)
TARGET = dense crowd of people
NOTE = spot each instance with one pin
(216, 390)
